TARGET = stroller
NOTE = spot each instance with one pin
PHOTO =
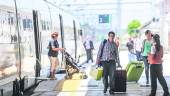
(72, 67)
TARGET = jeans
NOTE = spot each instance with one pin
(138, 56)
(131, 56)
(156, 72)
(109, 68)
(145, 60)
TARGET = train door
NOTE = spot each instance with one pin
(27, 47)
(49, 22)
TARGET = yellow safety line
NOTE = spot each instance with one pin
(71, 86)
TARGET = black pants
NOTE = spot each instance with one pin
(89, 55)
(145, 60)
(109, 68)
(156, 72)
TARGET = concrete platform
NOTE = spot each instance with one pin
(91, 87)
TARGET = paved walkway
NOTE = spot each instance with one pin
(91, 87)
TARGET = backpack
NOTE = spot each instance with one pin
(104, 42)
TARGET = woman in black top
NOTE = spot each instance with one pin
(53, 54)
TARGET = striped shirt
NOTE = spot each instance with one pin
(110, 52)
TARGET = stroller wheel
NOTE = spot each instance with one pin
(67, 77)
(85, 77)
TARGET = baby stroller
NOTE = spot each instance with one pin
(72, 67)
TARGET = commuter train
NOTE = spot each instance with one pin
(25, 31)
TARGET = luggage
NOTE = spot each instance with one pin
(120, 80)
(134, 70)
(96, 72)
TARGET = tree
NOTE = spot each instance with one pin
(133, 26)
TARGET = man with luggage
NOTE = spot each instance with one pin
(147, 43)
(108, 56)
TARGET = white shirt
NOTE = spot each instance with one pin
(137, 44)
(87, 44)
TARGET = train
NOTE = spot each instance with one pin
(25, 31)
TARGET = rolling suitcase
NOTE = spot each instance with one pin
(134, 71)
(120, 80)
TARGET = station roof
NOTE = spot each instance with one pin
(95, 5)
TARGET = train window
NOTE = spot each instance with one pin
(45, 25)
(48, 25)
(10, 20)
(42, 24)
(24, 24)
(7, 22)
(80, 32)
(27, 24)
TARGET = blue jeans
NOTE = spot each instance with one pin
(138, 56)
(145, 60)
(131, 57)
(109, 68)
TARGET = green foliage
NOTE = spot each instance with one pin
(133, 26)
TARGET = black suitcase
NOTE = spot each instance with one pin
(120, 80)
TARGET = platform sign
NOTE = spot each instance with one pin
(104, 18)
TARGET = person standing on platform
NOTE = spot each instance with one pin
(53, 54)
(108, 56)
(146, 47)
(88, 45)
(155, 60)
(131, 53)
(138, 47)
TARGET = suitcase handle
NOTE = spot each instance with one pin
(119, 67)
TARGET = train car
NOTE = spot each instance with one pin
(25, 31)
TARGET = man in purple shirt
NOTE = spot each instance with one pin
(108, 57)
